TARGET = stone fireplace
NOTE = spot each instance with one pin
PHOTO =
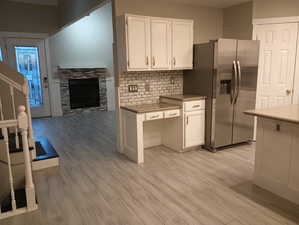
(83, 90)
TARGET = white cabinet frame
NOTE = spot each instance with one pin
(160, 48)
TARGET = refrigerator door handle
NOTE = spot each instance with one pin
(234, 87)
(239, 81)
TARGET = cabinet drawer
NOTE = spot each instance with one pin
(194, 105)
(172, 113)
(154, 116)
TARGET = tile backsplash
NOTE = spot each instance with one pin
(151, 85)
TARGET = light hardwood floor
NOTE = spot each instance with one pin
(97, 186)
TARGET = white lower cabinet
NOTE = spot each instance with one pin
(194, 128)
(277, 158)
(177, 129)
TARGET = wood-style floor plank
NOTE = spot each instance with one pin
(95, 185)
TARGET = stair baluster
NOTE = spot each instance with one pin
(23, 123)
(1, 110)
(12, 94)
(12, 190)
(26, 93)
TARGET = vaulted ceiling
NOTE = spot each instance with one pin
(39, 2)
(210, 3)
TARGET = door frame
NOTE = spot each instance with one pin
(282, 20)
(279, 20)
(45, 37)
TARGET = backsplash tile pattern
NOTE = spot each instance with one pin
(160, 83)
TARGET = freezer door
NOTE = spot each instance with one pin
(224, 87)
(247, 60)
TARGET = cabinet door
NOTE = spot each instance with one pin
(160, 43)
(182, 44)
(138, 43)
(194, 128)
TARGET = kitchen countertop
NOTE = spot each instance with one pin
(184, 98)
(288, 113)
(150, 107)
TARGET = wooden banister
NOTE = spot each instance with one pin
(8, 123)
(24, 89)
(10, 82)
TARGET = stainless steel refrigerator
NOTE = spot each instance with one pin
(226, 72)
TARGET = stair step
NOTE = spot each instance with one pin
(21, 201)
(44, 150)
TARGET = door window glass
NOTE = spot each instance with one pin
(28, 64)
(1, 55)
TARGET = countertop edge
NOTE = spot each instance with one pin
(185, 100)
(149, 111)
(251, 113)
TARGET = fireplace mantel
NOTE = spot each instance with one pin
(80, 73)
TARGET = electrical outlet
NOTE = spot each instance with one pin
(133, 88)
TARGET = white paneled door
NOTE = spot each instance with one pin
(160, 43)
(276, 64)
(28, 56)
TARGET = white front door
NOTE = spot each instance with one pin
(29, 58)
(276, 64)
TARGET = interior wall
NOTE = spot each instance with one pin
(275, 8)
(208, 22)
(85, 44)
(21, 17)
(70, 10)
(237, 21)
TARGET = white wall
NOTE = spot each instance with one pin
(88, 43)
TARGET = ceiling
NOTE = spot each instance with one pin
(211, 3)
(39, 2)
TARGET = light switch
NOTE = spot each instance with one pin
(133, 88)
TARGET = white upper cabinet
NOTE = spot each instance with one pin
(182, 44)
(158, 43)
(138, 43)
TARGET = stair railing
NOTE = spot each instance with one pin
(22, 123)
(24, 89)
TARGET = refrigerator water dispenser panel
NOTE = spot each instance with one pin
(225, 87)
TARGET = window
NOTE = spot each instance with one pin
(28, 64)
(1, 55)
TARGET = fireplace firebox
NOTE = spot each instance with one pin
(84, 93)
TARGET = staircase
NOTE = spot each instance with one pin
(19, 153)
(14, 170)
